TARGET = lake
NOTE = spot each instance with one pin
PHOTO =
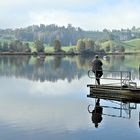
(46, 99)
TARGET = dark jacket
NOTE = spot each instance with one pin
(97, 65)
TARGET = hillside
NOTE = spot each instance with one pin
(67, 35)
(132, 45)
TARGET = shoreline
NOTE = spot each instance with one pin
(125, 53)
(36, 54)
(61, 53)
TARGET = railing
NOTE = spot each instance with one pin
(121, 109)
(123, 76)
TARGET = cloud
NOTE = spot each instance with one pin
(64, 88)
(37, 105)
(115, 17)
(17, 13)
(91, 14)
(47, 3)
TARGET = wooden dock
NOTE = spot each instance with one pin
(114, 92)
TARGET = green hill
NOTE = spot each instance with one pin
(133, 42)
(130, 45)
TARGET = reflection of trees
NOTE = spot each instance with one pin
(8, 66)
(38, 69)
(57, 61)
(80, 62)
(122, 63)
(57, 68)
(83, 62)
(116, 61)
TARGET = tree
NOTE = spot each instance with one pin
(89, 44)
(26, 47)
(57, 46)
(12, 46)
(18, 45)
(80, 45)
(107, 48)
(1, 47)
(39, 46)
(5, 46)
(97, 48)
(122, 49)
(113, 49)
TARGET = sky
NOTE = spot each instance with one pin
(87, 14)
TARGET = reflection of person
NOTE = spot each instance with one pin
(97, 114)
(97, 68)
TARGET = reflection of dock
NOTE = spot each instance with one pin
(117, 109)
(41, 57)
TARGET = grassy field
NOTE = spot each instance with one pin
(130, 46)
(133, 45)
(134, 42)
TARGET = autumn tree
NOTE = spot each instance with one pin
(89, 44)
(80, 45)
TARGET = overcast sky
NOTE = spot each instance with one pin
(87, 14)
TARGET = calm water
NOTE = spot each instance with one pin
(47, 100)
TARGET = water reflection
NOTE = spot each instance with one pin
(37, 69)
(52, 103)
(139, 119)
(54, 68)
(123, 109)
(96, 113)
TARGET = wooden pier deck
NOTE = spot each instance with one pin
(114, 92)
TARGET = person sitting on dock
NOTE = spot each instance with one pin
(97, 68)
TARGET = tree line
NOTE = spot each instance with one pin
(55, 36)
(83, 46)
(47, 34)
(67, 35)
(14, 46)
(88, 45)
(20, 46)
